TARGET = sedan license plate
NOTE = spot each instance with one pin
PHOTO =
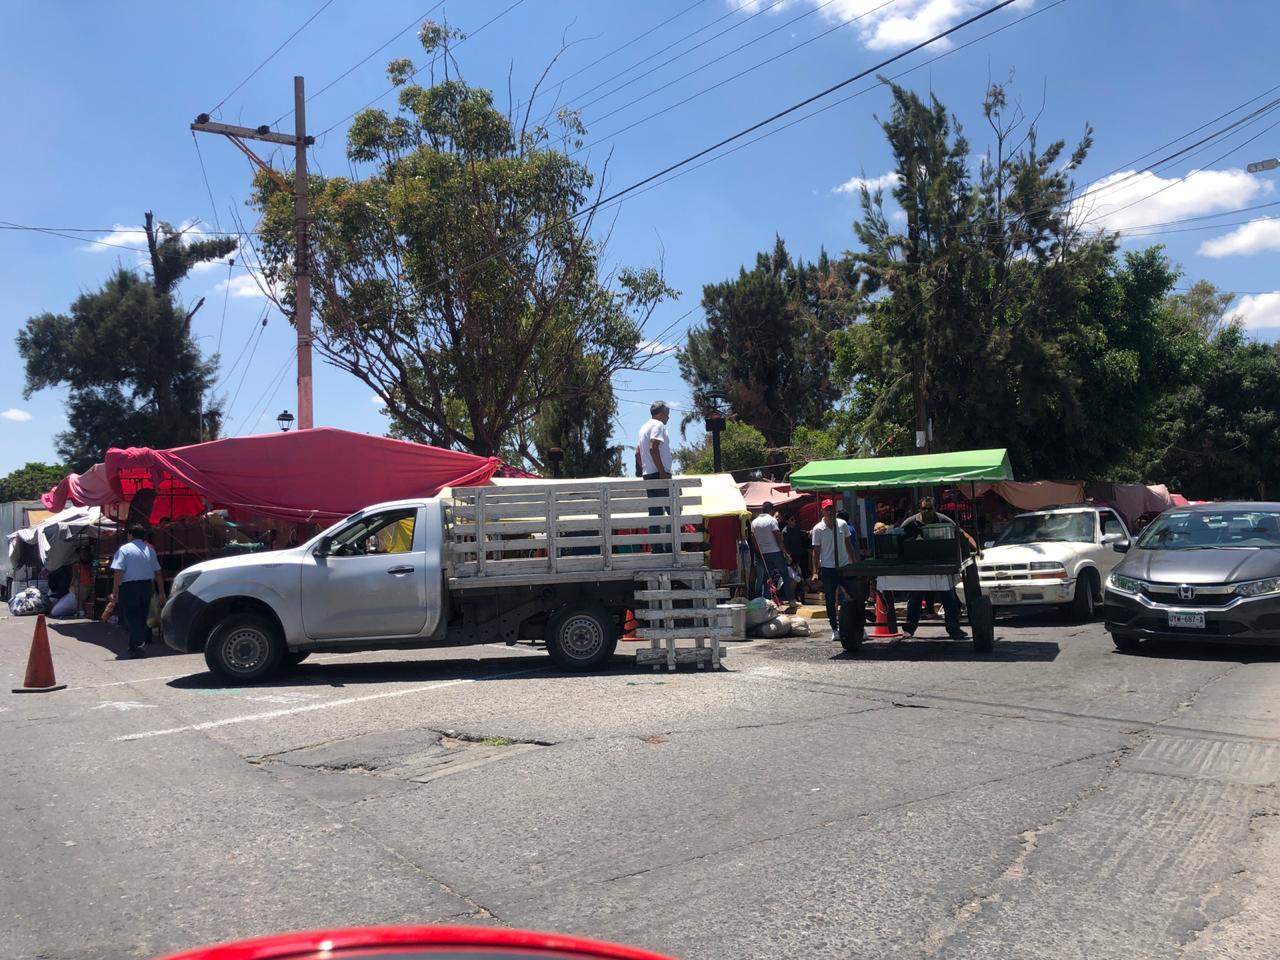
(1193, 620)
(1001, 595)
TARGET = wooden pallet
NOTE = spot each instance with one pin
(537, 531)
(674, 606)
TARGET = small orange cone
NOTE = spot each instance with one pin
(40, 677)
(629, 626)
(886, 620)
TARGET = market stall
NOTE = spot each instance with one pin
(933, 561)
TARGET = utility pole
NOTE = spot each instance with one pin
(301, 257)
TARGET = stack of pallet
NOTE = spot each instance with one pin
(681, 606)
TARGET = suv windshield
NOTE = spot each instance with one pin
(1191, 530)
(1041, 527)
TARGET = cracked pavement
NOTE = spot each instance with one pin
(1055, 799)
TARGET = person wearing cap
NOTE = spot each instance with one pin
(833, 548)
(913, 527)
(773, 552)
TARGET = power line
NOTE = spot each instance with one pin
(262, 322)
(273, 387)
(619, 49)
(271, 57)
(721, 83)
(208, 189)
(248, 363)
(416, 70)
(416, 21)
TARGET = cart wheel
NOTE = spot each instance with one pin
(983, 624)
(851, 625)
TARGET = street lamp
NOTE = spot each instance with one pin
(1263, 165)
(715, 425)
(285, 420)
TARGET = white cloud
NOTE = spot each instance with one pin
(886, 181)
(652, 348)
(120, 236)
(243, 286)
(14, 414)
(901, 24)
(1105, 205)
(1253, 237)
(1259, 310)
(377, 401)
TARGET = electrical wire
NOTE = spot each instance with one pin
(208, 189)
(619, 49)
(416, 21)
(262, 322)
(416, 70)
(274, 383)
(248, 363)
(271, 57)
(742, 73)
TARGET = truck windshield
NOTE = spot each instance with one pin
(1042, 527)
(1198, 530)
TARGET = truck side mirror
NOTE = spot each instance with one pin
(1121, 545)
(322, 548)
(1114, 537)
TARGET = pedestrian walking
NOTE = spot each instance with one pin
(137, 569)
(796, 539)
(653, 459)
(773, 552)
(833, 549)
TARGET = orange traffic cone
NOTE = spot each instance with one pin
(886, 622)
(629, 626)
(40, 677)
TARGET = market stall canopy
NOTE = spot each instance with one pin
(959, 466)
(53, 542)
(308, 475)
(757, 493)
(1035, 494)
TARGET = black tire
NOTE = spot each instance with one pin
(850, 617)
(244, 648)
(982, 624)
(1084, 605)
(581, 638)
(295, 657)
(851, 646)
(1126, 642)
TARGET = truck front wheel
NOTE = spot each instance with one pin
(581, 638)
(244, 648)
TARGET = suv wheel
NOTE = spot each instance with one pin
(1084, 603)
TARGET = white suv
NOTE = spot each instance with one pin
(1060, 555)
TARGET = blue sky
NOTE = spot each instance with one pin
(98, 99)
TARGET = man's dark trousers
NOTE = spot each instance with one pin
(134, 604)
(657, 511)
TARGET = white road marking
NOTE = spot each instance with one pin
(125, 683)
(272, 714)
(125, 705)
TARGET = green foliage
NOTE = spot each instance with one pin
(135, 374)
(766, 344)
(743, 448)
(451, 274)
(28, 482)
(583, 429)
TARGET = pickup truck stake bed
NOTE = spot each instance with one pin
(560, 562)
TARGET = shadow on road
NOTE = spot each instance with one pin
(534, 665)
(923, 648)
(112, 638)
(1242, 653)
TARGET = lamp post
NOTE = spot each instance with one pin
(285, 420)
(715, 426)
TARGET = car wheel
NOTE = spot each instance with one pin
(1084, 603)
(244, 648)
(581, 638)
(1126, 642)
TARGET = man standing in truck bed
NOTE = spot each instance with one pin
(653, 458)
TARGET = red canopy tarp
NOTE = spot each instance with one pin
(319, 474)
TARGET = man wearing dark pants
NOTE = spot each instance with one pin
(912, 527)
(653, 459)
(137, 568)
(832, 549)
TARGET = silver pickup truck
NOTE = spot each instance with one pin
(558, 562)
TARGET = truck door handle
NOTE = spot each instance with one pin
(396, 571)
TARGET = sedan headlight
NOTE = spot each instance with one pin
(1259, 588)
(183, 581)
(1122, 584)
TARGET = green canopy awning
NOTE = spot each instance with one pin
(918, 471)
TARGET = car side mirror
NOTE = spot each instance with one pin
(322, 548)
(1121, 545)
(1114, 537)
(988, 545)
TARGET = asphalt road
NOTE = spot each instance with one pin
(1053, 800)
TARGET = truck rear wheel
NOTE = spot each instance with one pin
(581, 638)
(244, 648)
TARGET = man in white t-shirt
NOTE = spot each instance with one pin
(653, 458)
(773, 552)
(833, 548)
